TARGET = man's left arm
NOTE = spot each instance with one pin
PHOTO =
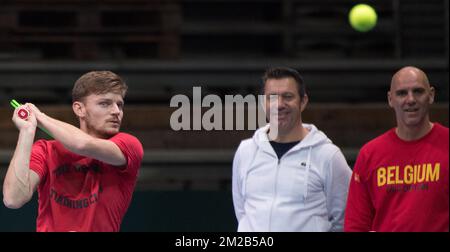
(80, 142)
(336, 189)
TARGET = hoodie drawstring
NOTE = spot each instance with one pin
(244, 178)
(308, 166)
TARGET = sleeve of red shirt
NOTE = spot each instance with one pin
(38, 158)
(132, 149)
(359, 211)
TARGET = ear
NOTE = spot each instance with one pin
(303, 102)
(431, 95)
(79, 109)
(389, 98)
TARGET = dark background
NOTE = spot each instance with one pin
(163, 48)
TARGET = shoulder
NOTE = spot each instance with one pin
(246, 146)
(245, 149)
(329, 148)
(128, 143)
(331, 156)
(441, 129)
(126, 138)
(43, 144)
(246, 143)
(379, 142)
(438, 137)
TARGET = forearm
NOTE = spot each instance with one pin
(359, 210)
(70, 136)
(238, 201)
(79, 142)
(17, 188)
(336, 189)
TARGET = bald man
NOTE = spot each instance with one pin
(400, 179)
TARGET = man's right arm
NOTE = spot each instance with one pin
(238, 200)
(20, 182)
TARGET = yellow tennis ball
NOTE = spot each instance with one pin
(362, 17)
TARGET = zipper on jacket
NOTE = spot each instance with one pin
(275, 194)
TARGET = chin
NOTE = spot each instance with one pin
(285, 128)
(412, 123)
(285, 124)
(113, 131)
(110, 132)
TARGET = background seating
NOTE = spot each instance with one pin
(166, 47)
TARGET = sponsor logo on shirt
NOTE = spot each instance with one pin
(411, 177)
(69, 188)
(65, 168)
(71, 203)
(356, 176)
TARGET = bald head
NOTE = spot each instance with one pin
(409, 74)
(411, 97)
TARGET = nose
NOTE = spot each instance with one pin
(281, 103)
(276, 102)
(410, 98)
(115, 109)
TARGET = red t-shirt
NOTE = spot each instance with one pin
(400, 186)
(78, 193)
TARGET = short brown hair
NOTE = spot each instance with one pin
(285, 72)
(98, 82)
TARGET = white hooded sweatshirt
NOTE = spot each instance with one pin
(306, 190)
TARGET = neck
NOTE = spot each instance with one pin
(90, 131)
(411, 133)
(296, 134)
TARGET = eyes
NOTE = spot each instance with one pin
(404, 92)
(287, 96)
(108, 103)
(284, 96)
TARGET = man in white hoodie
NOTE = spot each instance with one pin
(289, 176)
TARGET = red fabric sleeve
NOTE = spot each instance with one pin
(359, 212)
(132, 149)
(38, 157)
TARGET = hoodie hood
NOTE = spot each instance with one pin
(304, 190)
(314, 138)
